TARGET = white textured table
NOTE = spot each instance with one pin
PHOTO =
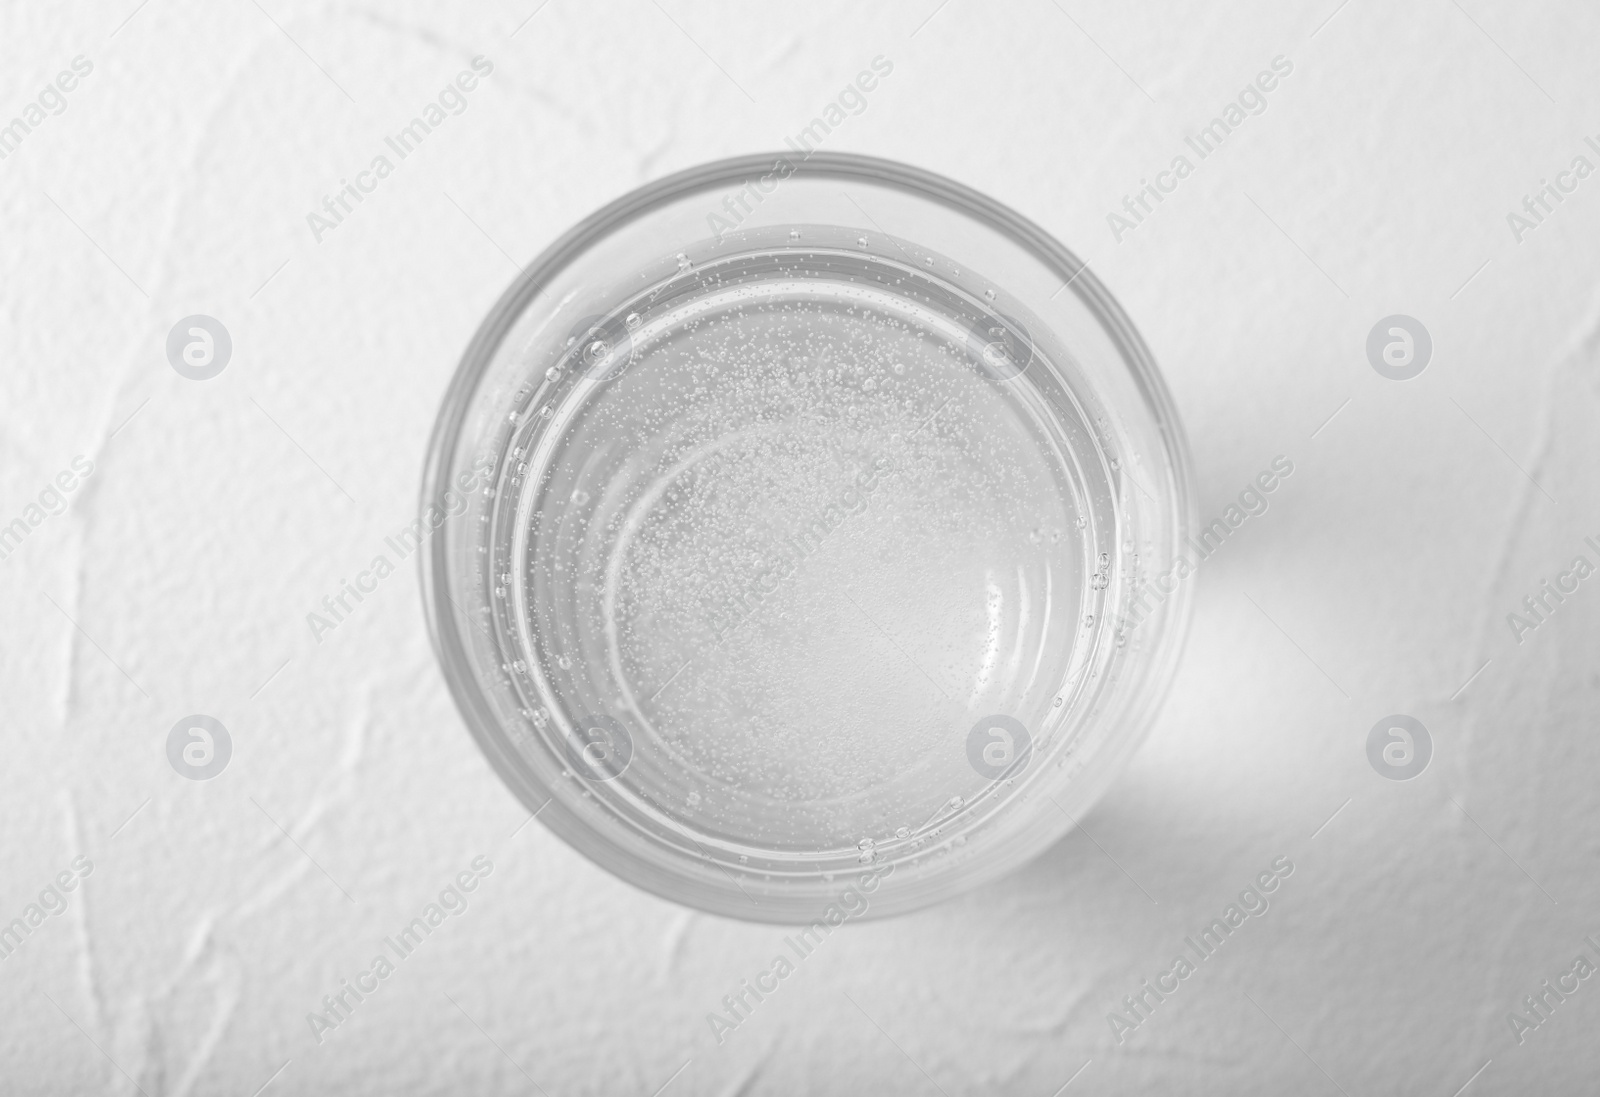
(192, 164)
